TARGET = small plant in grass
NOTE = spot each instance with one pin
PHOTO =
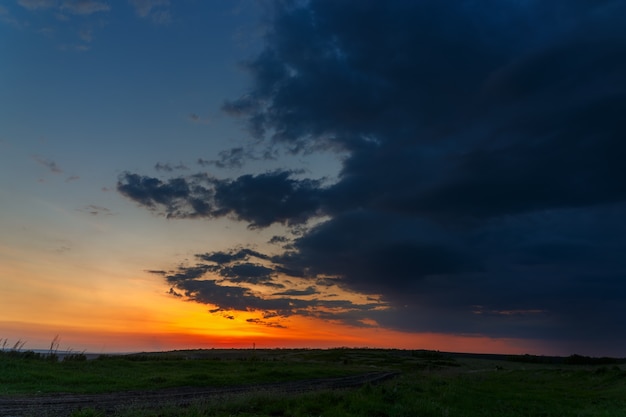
(16, 351)
(17, 346)
(54, 348)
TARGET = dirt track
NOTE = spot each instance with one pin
(65, 404)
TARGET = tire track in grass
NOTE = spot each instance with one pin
(64, 404)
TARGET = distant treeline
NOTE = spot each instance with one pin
(568, 360)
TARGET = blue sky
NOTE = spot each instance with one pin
(448, 174)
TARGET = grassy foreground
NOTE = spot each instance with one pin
(431, 384)
(20, 374)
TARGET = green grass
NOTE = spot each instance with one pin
(516, 393)
(26, 376)
(431, 384)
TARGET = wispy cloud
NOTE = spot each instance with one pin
(8, 18)
(229, 158)
(195, 118)
(38, 4)
(144, 7)
(49, 164)
(96, 210)
(155, 10)
(167, 167)
(63, 13)
(79, 7)
(84, 7)
(266, 323)
(86, 35)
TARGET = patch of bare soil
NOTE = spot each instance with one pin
(65, 404)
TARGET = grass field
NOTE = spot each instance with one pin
(429, 384)
(150, 371)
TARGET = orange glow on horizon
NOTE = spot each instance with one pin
(104, 308)
(325, 335)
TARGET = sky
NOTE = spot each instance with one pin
(399, 174)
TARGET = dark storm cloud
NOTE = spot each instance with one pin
(456, 118)
(221, 257)
(247, 272)
(364, 246)
(190, 273)
(237, 297)
(482, 188)
(260, 200)
(275, 240)
(152, 192)
(269, 198)
(228, 284)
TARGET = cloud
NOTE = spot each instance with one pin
(230, 158)
(276, 240)
(167, 167)
(195, 118)
(247, 272)
(84, 7)
(52, 166)
(38, 4)
(222, 257)
(231, 282)
(174, 293)
(144, 7)
(481, 149)
(67, 37)
(8, 18)
(155, 10)
(75, 47)
(266, 323)
(293, 292)
(86, 35)
(261, 200)
(95, 210)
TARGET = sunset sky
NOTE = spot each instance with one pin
(419, 174)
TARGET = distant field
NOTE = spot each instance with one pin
(428, 384)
